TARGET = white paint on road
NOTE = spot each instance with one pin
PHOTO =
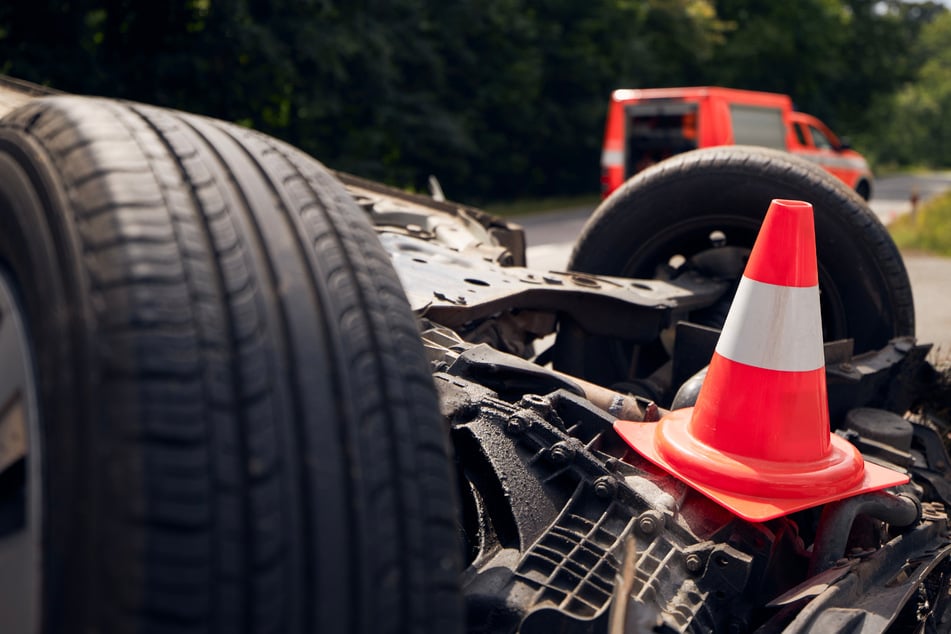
(549, 257)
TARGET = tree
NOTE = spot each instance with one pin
(915, 127)
(785, 47)
(879, 56)
(498, 98)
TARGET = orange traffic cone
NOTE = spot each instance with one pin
(758, 441)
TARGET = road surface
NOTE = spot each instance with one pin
(892, 195)
(550, 237)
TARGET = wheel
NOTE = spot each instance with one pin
(701, 211)
(235, 427)
(864, 189)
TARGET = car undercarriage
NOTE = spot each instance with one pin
(567, 530)
(241, 392)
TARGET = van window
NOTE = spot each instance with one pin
(754, 125)
(820, 139)
(800, 135)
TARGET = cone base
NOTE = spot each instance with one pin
(833, 464)
(641, 438)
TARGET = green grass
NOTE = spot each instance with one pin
(927, 229)
(541, 205)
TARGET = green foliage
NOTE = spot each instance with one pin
(876, 59)
(498, 98)
(914, 126)
(928, 229)
(786, 47)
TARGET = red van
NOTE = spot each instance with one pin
(646, 126)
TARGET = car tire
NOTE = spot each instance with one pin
(235, 428)
(695, 202)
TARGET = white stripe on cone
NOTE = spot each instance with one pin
(611, 158)
(774, 327)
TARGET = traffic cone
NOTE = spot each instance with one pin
(758, 440)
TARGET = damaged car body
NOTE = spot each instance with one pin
(567, 531)
(241, 392)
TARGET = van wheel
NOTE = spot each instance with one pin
(864, 189)
(235, 429)
(702, 210)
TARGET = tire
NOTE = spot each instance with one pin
(670, 213)
(237, 427)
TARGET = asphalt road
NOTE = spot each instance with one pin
(551, 235)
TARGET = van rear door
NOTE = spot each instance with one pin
(658, 129)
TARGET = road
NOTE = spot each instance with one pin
(892, 195)
(550, 237)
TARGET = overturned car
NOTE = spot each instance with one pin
(241, 393)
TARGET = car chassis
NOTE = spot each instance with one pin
(227, 414)
(566, 530)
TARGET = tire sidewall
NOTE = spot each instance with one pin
(281, 385)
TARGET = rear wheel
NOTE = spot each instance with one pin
(237, 425)
(864, 189)
(701, 211)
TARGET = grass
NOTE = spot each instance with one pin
(541, 205)
(927, 229)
